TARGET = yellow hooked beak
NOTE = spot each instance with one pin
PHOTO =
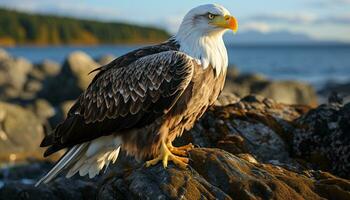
(227, 21)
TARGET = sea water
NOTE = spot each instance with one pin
(315, 64)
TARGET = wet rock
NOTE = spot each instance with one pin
(20, 133)
(71, 81)
(323, 138)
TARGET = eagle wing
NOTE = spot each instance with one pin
(121, 98)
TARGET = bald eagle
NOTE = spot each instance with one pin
(143, 100)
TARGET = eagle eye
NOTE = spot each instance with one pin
(211, 16)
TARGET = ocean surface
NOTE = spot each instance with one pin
(315, 64)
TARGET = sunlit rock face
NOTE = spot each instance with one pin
(247, 148)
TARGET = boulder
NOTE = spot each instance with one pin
(245, 150)
(65, 107)
(37, 74)
(241, 84)
(232, 72)
(13, 76)
(288, 92)
(71, 81)
(61, 112)
(32, 87)
(342, 90)
(44, 70)
(104, 60)
(226, 99)
(254, 125)
(323, 138)
(77, 66)
(3, 54)
(20, 133)
(49, 68)
(42, 109)
(212, 174)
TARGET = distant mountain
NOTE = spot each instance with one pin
(276, 37)
(37, 29)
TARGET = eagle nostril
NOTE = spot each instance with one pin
(227, 18)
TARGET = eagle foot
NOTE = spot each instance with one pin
(180, 151)
(166, 155)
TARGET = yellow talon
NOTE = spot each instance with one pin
(165, 155)
(180, 151)
(186, 147)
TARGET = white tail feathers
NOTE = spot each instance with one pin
(87, 158)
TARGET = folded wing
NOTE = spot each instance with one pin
(126, 97)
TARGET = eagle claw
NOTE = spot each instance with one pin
(180, 151)
(166, 154)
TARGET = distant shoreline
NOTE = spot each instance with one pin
(138, 44)
(22, 28)
(33, 45)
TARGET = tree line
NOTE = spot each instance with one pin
(37, 29)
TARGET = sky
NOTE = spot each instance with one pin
(320, 19)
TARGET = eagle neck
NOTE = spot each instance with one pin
(210, 49)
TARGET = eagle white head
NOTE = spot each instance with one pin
(200, 35)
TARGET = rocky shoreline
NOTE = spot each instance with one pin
(247, 146)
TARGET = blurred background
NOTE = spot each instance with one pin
(306, 41)
(292, 51)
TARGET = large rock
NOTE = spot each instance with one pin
(77, 67)
(104, 60)
(323, 138)
(213, 174)
(241, 84)
(3, 54)
(246, 153)
(255, 125)
(49, 68)
(44, 112)
(342, 89)
(288, 92)
(72, 80)
(13, 76)
(19, 80)
(61, 112)
(226, 99)
(44, 70)
(20, 133)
